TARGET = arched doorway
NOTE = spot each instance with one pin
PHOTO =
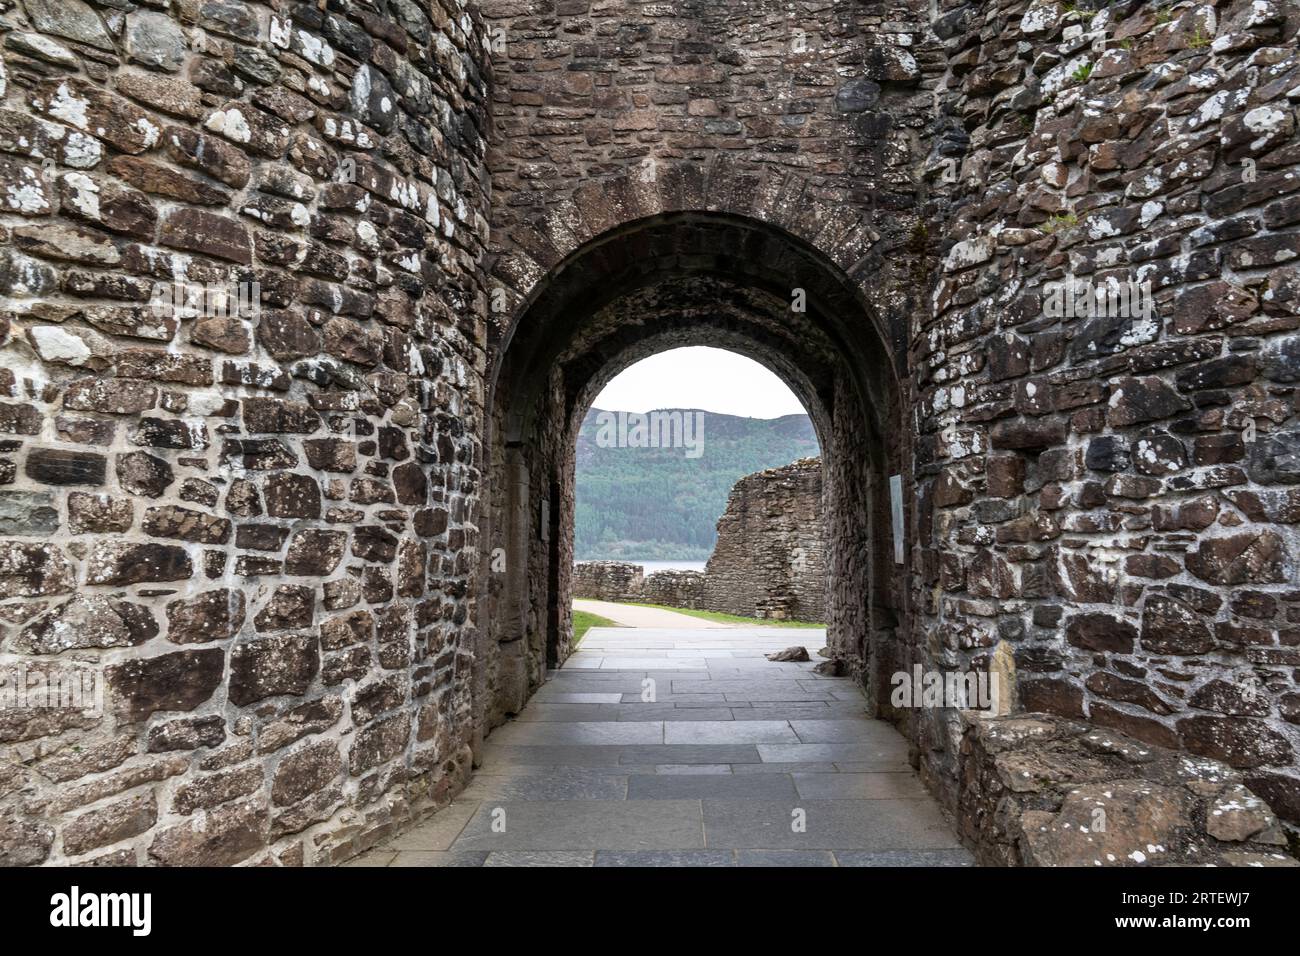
(659, 282)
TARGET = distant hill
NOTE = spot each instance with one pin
(658, 503)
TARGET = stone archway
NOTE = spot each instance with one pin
(673, 278)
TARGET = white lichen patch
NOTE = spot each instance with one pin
(231, 124)
(28, 194)
(280, 33)
(54, 344)
(83, 194)
(367, 236)
(315, 49)
(82, 151)
(1265, 122)
(70, 108)
(1218, 105)
(148, 131)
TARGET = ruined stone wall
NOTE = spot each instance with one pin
(608, 581)
(253, 531)
(770, 558)
(674, 589)
(1112, 499)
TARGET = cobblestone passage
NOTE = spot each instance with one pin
(733, 760)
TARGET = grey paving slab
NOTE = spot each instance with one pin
(715, 786)
(665, 858)
(706, 772)
(679, 768)
(498, 767)
(859, 786)
(586, 825)
(797, 710)
(543, 712)
(560, 697)
(757, 768)
(775, 695)
(672, 712)
(730, 732)
(439, 831)
(846, 731)
(560, 784)
(602, 733)
(540, 858)
(873, 756)
(785, 858)
(690, 753)
(742, 689)
(957, 857)
(445, 858)
(499, 756)
(827, 825)
(593, 683)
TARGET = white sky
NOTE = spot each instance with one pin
(714, 380)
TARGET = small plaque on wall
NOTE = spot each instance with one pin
(896, 508)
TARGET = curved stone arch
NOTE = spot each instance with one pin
(530, 253)
(668, 247)
(610, 241)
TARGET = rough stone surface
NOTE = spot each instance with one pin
(242, 266)
(1037, 790)
(885, 208)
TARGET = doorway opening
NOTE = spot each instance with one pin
(698, 487)
(668, 282)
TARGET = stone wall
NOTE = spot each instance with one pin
(770, 559)
(1037, 790)
(250, 530)
(608, 581)
(675, 589)
(1112, 498)
(259, 533)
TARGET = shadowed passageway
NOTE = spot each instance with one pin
(736, 761)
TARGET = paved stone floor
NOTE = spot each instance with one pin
(718, 768)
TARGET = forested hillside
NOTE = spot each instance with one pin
(659, 503)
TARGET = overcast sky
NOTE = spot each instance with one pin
(712, 379)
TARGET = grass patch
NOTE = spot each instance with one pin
(583, 621)
(1058, 222)
(732, 618)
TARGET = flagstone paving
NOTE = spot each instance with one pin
(686, 747)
